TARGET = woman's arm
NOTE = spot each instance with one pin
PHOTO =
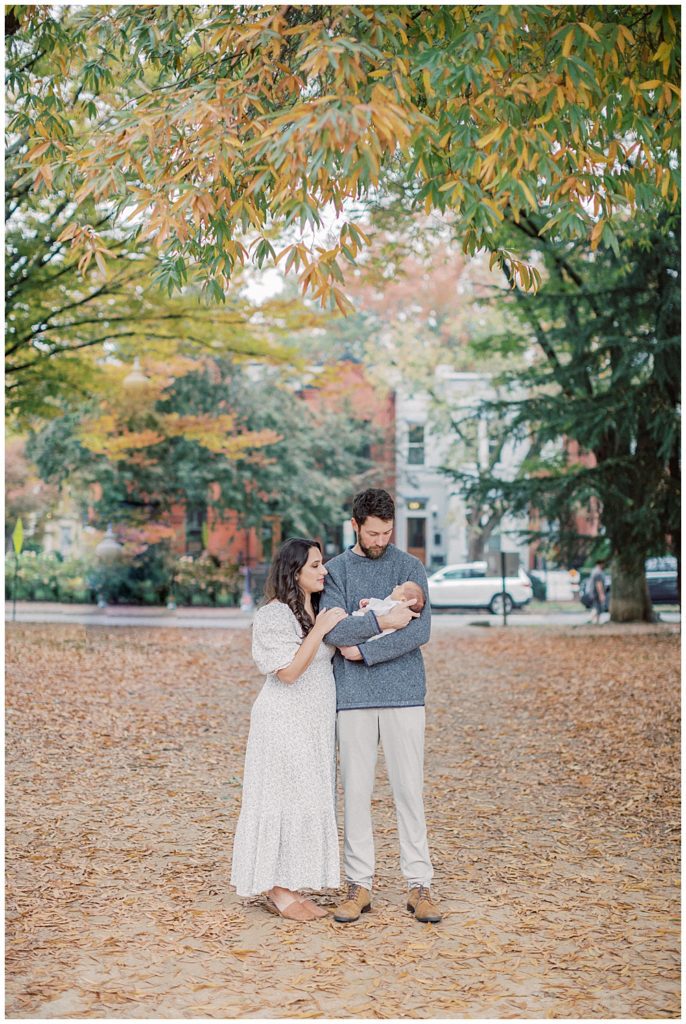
(325, 621)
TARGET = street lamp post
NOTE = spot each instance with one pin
(107, 552)
(247, 602)
(136, 380)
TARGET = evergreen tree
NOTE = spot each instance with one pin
(606, 329)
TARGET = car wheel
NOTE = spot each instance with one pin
(496, 605)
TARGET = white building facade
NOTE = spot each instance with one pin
(431, 518)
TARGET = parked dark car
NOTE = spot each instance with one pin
(661, 575)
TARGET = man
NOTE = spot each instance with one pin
(597, 587)
(380, 690)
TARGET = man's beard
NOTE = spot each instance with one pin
(376, 551)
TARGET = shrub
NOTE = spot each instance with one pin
(48, 577)
(152, 577)
(205, 581)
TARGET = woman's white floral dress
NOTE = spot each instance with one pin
(286, 833)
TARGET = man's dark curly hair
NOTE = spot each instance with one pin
(282, 584)
(373, 502)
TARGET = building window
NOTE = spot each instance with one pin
(470, 439)
(415, 447)
(196, 516)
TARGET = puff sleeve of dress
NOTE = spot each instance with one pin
(276, 637)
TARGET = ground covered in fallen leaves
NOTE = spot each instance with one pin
(552, 803)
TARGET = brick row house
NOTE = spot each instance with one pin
(431, 520)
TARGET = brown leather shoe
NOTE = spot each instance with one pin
(358, 901)
(421, 904)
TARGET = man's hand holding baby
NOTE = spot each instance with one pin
(399, 616)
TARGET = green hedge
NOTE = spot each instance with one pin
(42, 577)
(203, 582)
(152, 578)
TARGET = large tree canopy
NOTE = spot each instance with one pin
(214, 129)
(65, 308)
(59, 321)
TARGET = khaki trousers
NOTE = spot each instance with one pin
(401, 733)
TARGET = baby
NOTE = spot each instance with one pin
(409, 591)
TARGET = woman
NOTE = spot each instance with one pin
(286, 838)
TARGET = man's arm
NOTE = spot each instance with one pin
(413, 635)
(402, 641)
(353, 630)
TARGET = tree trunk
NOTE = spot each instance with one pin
(475, 546)
(629, 597)
(478, 536)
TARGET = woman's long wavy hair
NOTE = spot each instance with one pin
(282, 584)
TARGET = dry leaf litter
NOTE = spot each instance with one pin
(552, 804)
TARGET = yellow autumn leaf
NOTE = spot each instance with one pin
(486, 140)
(44, 173)
(496, 209)
(596, 234)
(529, 194)
(38, 150)
(84, 262)
(69, 232)
(590, 31)
(627, 33)
(84, 191)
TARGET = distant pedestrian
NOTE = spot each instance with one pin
(598, 593)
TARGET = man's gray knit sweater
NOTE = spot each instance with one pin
(391, 674)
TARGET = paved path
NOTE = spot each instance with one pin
(129, 615)
(232, 618)
(552, 797)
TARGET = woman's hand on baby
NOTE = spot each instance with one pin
(328, 618)
(399, 616)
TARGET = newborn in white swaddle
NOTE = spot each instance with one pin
(409, 591)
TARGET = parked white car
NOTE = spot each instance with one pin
(469, 585)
